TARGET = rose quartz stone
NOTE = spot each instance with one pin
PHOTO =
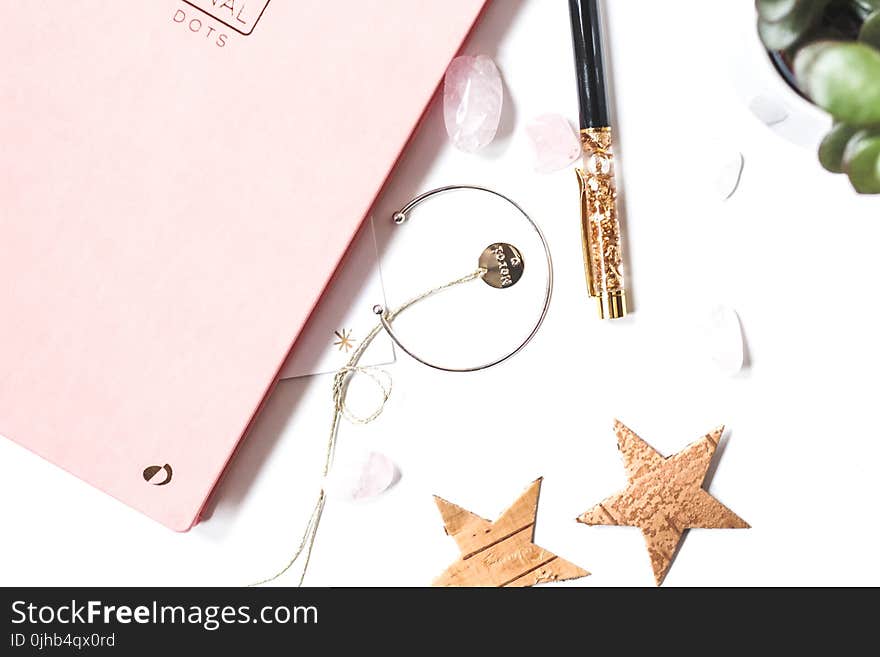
(555, 143)
(472, 100)
(361, 475)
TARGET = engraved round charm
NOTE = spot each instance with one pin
(503, 264)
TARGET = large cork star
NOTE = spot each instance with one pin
(665, 496)
(501, 553)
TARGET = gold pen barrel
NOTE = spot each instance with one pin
(600, 227)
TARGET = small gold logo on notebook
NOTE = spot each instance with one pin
(158, 475)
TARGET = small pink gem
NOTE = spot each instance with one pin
(556, 144)
(472, 99)
(361, 475)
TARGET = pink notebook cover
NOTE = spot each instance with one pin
(178, 181)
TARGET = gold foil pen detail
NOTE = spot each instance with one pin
(600, 227)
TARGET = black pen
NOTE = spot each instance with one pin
(600, 227)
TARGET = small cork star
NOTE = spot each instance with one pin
(345, 340)
(665, 496)
(501, 553)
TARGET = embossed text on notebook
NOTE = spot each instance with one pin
(241, 15)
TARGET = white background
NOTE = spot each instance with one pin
(794, 252)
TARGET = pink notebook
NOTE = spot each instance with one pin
(178, 181)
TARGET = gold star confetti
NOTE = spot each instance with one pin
(345, 340)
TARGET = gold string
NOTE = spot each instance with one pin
(341, 380)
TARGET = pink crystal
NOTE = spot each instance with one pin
(361, 475)
(555, 143)
(472, 99)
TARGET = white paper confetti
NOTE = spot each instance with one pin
(724, 340)
(729, 174)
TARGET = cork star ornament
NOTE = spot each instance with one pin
(501, 553)
(665, 496)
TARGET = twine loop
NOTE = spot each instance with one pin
(382, 379)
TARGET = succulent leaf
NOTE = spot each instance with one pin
(861, 160)
(870, 32)
(787, 30)
(842, 78)
(832, 147)
(867, 5)
(774, 10)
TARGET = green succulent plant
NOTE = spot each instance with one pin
(833, 49)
